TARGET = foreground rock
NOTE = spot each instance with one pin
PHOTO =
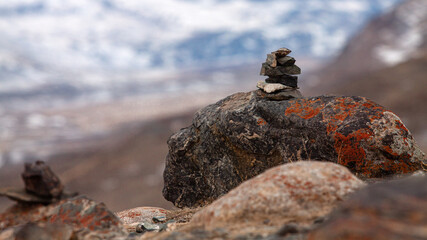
(135, 216)
(86, 219)
(392, 210)
(244, 134)
(294, 192)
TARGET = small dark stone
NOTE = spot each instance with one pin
(281, 70)
(319, 220)
(159, 219)
(139, 228)
(290, 228)
(282, 52)
(271, 60)
(286, 61)
(288, 80)
(147, 227)
(41, 180)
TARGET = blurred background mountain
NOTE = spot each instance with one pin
(96, 87)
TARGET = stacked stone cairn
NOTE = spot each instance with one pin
(280, 68)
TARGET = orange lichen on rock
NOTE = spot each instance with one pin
(349, 147)
(261, 122)
(305, 108)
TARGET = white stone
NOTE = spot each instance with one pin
(271, 87)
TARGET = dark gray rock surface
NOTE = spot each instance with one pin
(288, 80)
(280, 70)
(286, 61)
(244, 134)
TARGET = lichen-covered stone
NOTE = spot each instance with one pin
(87, 218)
(244, 134)
(383, 211)
(300, 191)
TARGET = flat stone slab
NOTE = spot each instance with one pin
(271, 87)
(288, 80)
(267, 70)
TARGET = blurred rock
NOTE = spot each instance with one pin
(88, 219)
(141, 214)
(383, 211)
(244, 134)
(40, 180)
(135, 216)
(299, 191)
(41, 186)
(44, 231)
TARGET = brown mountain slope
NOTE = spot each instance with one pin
(385, 41)
(123, 174)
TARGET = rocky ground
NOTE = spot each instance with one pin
(235, 180)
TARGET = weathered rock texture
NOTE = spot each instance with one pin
(392, 210)
(244, 134)
(86, 218)
(132, 217)
(300, 191)
(140, 214)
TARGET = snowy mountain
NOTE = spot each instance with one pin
(390, 39)
(101, 45)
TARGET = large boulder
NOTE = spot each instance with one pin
(300, 191)
(244, 134)
(391, 210)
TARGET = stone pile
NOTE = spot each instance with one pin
(281, 70)
(41, 186)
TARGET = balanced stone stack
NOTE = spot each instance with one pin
(280, 68)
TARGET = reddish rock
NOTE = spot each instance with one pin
(244, 134)
(86, 217)
(300, 191)
(391, 210)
